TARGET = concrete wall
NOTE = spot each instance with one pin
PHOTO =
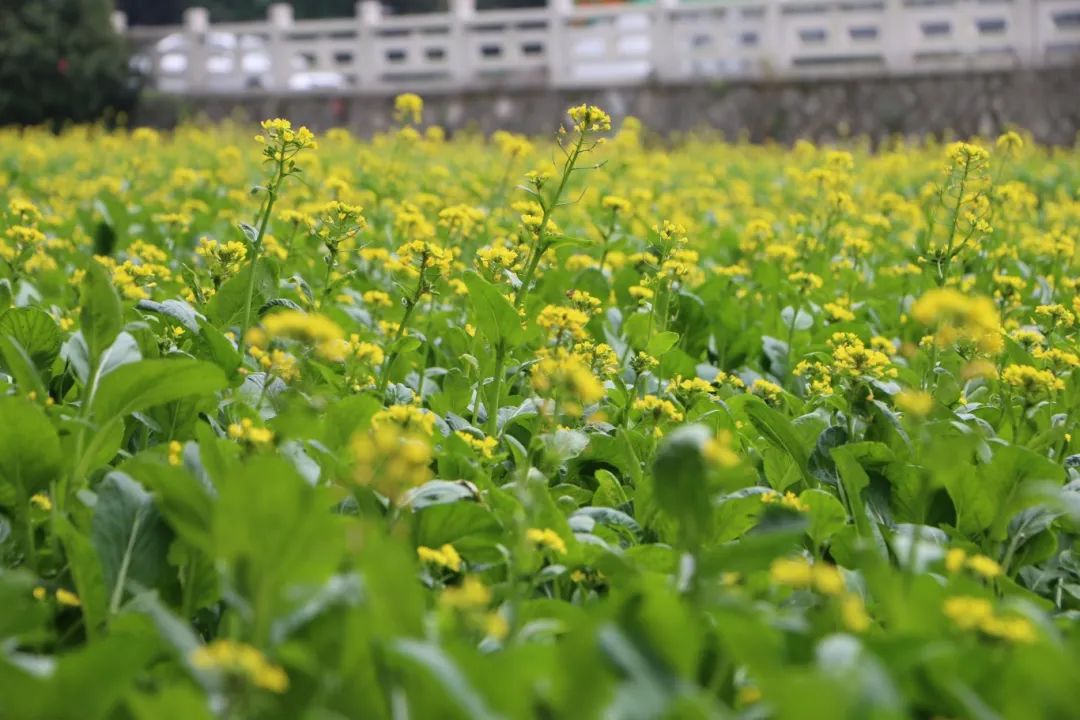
(1046, 102)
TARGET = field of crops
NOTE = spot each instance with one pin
(599, 426)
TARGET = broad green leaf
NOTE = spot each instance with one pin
(495, 316)
(802, 320)
(826, 513)
(679, 481)
(184, 501)
(465, 524)
(87, 683)
(137, 386)
(660, 343)
(177, 310)
(609, 491)
(272, 530)
(778, 431)
(35, 332)
(226, 308)
(448, 677)
(131, 538)
(220, 349)
(85, 568)
(23, 616)
(29, 447)
(738, 512)
(102, 315)
(21, 367)
(854, 480)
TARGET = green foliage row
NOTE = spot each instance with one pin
(600, 428)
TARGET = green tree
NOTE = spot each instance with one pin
(60, 61)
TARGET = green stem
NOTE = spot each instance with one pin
(791, 334)
(409, 307)
(539, 246)
(493, 408)
(943, 272)
(256, 247)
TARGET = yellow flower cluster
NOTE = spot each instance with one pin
(445, 556)
(987, 567)
(546, 538)
(242, 660)
(976, 613)
(313, 330)
(1031, 381)
(589, 118)
(246, 431)
(787, 500)
(567, 378)
(408, 108)
(958, 318)
(391, 459)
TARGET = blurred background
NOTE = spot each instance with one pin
(762, 69)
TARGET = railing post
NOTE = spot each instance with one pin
(665, 50)
(776, 56)
(279, 17)
(560, 67)
(368, 15)
(461, 13)
(119, 21)
(967, 35)
(196, 25)
(1022, 30)
(894, 41)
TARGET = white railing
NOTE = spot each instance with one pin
(567, 46)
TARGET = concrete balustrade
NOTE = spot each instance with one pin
(564, 46)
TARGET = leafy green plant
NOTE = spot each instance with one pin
(706, 430)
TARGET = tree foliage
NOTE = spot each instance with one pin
(60, 60)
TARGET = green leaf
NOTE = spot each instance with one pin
(85, 568)
(219, 349)
(406, 344)
(36, 333)
(803, 319)
(609, 491)
(178, 310)
(679, 481)
(778, 430)
(272, 529)
(184, 501)
(826, 513)
(23, 615)
(465, 524)
(441, 668)
(172, 702)
(660, 343)
(227, 306)
(131, 538)
(102, 316)
(854, 480)
(738, 512)
(495, 316)
(989, 498)
(21, 367)
(137, 386)
(88, 682)
(29, 447)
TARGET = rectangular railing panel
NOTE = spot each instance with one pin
(575, 46)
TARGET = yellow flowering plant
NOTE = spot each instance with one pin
(583, 426)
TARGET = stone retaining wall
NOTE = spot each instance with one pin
(1045, 102)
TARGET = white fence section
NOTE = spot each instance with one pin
(567, 46)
